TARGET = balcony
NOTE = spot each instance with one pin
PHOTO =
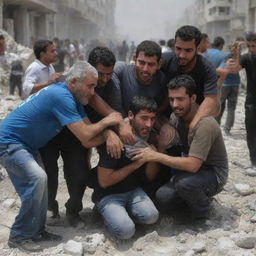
(252, 4)
(45, 6)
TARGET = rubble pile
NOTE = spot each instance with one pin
(14, 51)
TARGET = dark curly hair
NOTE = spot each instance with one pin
(150, 49)
(143, 103)
(41, 46)
(185, 81)
(188, 33)
(101, 55)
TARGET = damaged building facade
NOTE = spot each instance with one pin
(28, 20)
(226, 18)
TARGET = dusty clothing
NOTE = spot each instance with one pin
(203, 73)
(196, 189)
(207, 145)
(248, 62)
(124, 77)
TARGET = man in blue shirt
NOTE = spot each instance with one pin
(215, 54)
(31, 126)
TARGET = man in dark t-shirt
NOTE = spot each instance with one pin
(186, 60)
(118, 196)
(248, 62)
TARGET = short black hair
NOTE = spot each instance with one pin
(171, 42)
(188, 33)
(102, 55)
(162, 42)
(143, 103)
(250, 36)
(218, 41)
(1, 37)
(150, 49)
(204, 36)
(185, 81)
(41, 46)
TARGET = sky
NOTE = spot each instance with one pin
(137, 20)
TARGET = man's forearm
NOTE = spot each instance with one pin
(189, 164)
(37, 87)
(116, 176)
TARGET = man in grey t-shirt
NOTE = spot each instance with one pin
(202, 170)
(143, 78)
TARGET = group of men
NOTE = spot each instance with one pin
(119, 108)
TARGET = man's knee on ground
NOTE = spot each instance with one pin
(124, 231)
(164, 195)
(150, 218)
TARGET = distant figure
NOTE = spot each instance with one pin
(122, 51)
(59, 65)
(169, 49)
(162, 43)
(215, 54)
(132, 50)
(16, 77)
(71, 51)
(204, 44)
(3, 62)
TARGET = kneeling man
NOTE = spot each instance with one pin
(118, 197)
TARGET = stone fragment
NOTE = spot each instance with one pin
(246, 242)
(73, 248)
(243, 189)
(250, 172)
(224, 245)
(199, 247)
(190, 253)
(253, 219)
(9, 203)
(93, 241)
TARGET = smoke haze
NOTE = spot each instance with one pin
(137, 20)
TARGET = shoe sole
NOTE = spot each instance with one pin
(20, 247)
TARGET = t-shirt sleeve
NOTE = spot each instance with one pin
(66, 110)
(114, 96)
(210, 83)
(31, 78)
(206, 132)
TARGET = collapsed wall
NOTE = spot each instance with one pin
(14, 51)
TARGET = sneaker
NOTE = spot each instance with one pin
(27, 245)
(47, 236)
(75, 220)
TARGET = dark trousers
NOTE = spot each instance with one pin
(15, 81)
(195, 189)
(75, 169)
(250, 125)
(228, 94)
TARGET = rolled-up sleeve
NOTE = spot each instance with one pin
(29, 81)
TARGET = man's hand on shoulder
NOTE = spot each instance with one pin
(54, 77)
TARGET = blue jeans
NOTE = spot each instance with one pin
(30, 182)
(120, 211)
